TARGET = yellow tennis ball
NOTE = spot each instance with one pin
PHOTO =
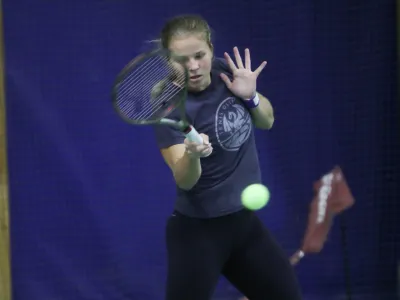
(255, 196)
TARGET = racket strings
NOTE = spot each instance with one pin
(161, 97)
(149, 89)
(138, 73)
(135, 83)
(144, 108)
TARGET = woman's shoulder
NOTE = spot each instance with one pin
(220, 65)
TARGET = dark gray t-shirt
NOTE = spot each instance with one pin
(233, 165)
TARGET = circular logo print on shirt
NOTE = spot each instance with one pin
(232, 124)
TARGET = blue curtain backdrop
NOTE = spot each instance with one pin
(90, 194)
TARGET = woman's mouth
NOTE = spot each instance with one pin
(195, 77)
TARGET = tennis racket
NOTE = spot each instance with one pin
(332, 196)
(149, 88)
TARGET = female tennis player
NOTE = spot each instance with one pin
(210, 233)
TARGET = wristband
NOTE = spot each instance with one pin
(252, 102)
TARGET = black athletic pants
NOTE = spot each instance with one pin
(237, 246)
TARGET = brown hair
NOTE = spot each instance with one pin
(185, 24)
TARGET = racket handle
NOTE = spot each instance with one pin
(295, 258)
(193, 136)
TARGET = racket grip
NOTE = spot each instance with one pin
(295, 258)
(193, 136)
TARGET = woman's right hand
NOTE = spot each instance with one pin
(199, 150)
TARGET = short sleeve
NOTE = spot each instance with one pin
(221, 65)
(167, 136)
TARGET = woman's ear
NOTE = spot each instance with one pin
(211, 47)
(212, 50)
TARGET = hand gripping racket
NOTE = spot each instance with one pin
(150, 88)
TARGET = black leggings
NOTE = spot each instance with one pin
(237, 246)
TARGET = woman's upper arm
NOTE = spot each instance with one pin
(173, 154)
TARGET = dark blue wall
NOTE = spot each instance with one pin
(90, 194)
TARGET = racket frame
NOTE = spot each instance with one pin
(183, 125)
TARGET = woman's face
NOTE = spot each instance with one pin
(195, 53)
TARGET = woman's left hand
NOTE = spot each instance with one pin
(244, 82)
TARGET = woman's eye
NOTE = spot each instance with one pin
(199, 55)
